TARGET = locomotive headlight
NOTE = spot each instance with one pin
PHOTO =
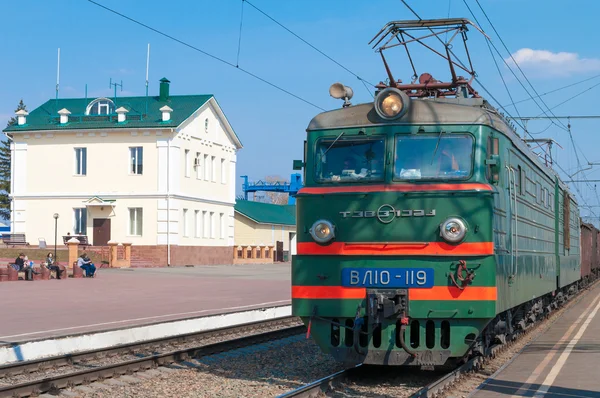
(322, 231)
(453, 230)
(391, 103)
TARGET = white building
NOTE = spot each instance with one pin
(158, 172)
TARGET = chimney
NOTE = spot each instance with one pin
(121, 114)
(64, 115)
(164, 89)
(21, 119)
(166, 113)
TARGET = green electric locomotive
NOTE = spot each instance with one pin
(427, 228)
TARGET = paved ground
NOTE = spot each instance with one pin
(563, 362)
(136, 296)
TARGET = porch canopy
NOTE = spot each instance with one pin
(96, 201)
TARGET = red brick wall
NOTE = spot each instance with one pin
(156, 256)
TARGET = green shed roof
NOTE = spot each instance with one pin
(267, 213)
(46, 117)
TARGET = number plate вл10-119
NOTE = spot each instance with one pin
(388, 277)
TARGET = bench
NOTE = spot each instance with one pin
(14, 239)
(83, 239)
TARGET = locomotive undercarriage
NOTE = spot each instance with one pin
(386, 336)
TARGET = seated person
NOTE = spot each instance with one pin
(454, 154)
(86, 264)
(349, 171)
(51, 266)
(20, 265)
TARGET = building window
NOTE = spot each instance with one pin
(187, 163)
(223, 172)
(206, 168)
(198, 166)
(212, 225)
(206, 125)
(135, 221)
(101, 106)
(222, 222)
(213, 166)
(204, 225)
(136, 155)
(80, 221)
(80, 161)
(197, 223)
(185, 223)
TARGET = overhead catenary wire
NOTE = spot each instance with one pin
(309, 44)
(556, 89)
(501, 106)
(237, 62)
(495, 63)
(516, 63)
(216, 58)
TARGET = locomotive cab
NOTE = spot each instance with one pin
(395, 260)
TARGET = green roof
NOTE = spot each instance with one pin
(46, 117)
(267, 213)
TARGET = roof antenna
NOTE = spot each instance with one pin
(57, 79)
(147, 67)
(115, 85)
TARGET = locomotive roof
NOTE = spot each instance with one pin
(428, 111)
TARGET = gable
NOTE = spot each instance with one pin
(209, 122)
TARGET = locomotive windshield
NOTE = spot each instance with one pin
(443, 156)
(350, 159)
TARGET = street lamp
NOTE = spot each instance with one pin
(55, 233)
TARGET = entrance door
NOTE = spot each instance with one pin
(279, 251)
(101, 231)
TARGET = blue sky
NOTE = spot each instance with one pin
(554, 42)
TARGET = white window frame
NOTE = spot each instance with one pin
(206, 122)
(199, 166)
(205, 224)
(136, 212)
(103, 105)
(213, 166)
(223, 171)
(222, 222)
(133, 156)
(185, 223)
(212, 224)
(82, 169)
(197, 224)
(82, 228)
(206, 167)
(187, 163)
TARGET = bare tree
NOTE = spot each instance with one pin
(277, 198)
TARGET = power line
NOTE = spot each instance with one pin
(555, 90)
(207, 54)
(493, 98)
(237, 62)
(494, 59)
(513, 59)
(307, 43)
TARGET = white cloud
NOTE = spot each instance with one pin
(546, 63)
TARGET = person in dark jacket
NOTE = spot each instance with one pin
(51, 266)
(20, 266)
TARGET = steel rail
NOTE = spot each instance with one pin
(319, 387)
(53, 383)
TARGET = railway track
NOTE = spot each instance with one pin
(329, 385)
(254, 333)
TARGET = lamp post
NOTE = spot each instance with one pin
(55, 233)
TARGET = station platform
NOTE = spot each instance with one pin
(119, 298)
(562, 362)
